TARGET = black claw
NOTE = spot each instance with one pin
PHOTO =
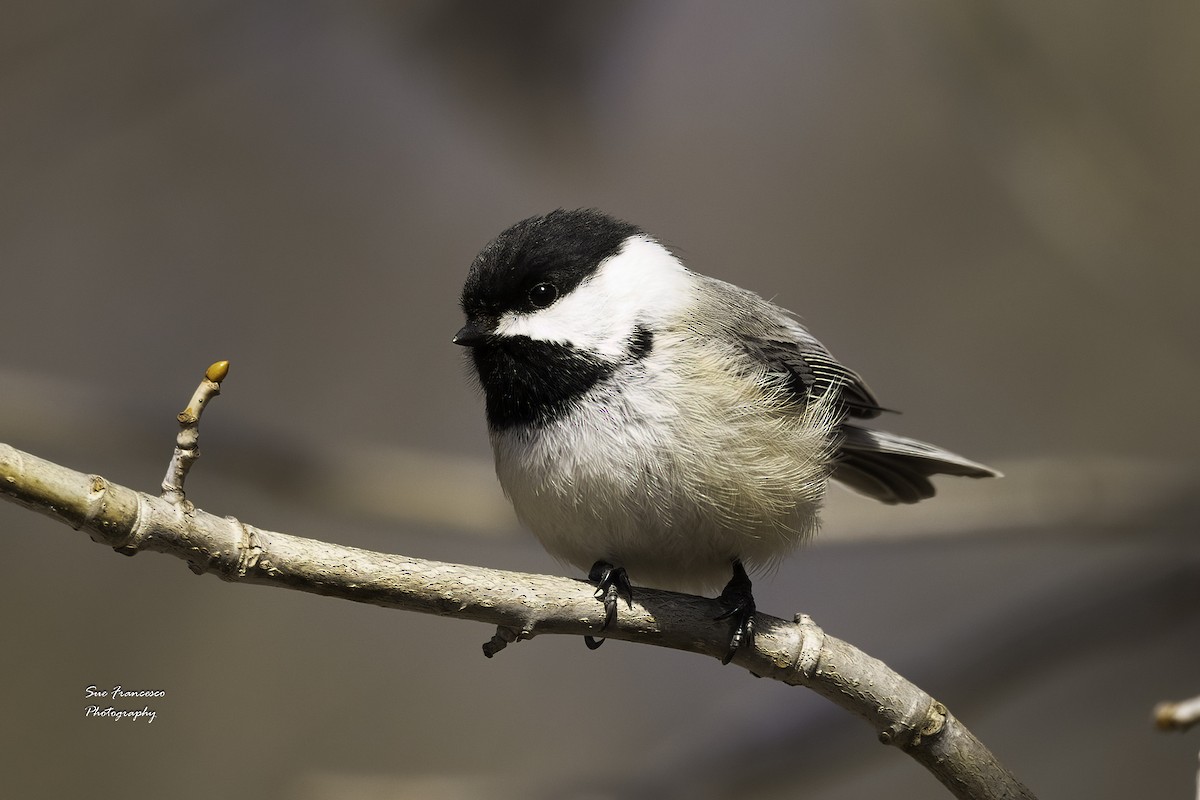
(612, 584)
(737, 598)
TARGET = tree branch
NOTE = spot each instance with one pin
(521, 605)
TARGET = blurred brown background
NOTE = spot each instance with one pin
(989, 209)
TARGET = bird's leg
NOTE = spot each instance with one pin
(611, 584)
(736, 597)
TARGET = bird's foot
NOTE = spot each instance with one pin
(612, 584)
(737, 597)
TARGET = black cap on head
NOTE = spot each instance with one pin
(561, 248)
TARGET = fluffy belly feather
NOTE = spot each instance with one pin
(634, 481)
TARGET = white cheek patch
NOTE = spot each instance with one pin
(641, 284)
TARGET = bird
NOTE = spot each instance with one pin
(655, 426)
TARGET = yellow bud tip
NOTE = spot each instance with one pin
(1164, 716)
(217, 372)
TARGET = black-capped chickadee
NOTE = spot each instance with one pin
(660, 426)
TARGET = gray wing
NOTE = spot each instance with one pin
(881, 465)
(773, 338)
(813, 371)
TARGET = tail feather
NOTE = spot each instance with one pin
(896, 469)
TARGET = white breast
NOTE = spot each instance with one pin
(685, 468)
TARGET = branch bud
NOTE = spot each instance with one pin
(217, 372)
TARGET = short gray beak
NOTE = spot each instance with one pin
(471, 335)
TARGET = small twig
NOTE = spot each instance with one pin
(522, 606)
(1178, 716)
(187, 442)
(504, 636)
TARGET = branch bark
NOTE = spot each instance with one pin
(522, 606)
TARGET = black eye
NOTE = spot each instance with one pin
(543, 294)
